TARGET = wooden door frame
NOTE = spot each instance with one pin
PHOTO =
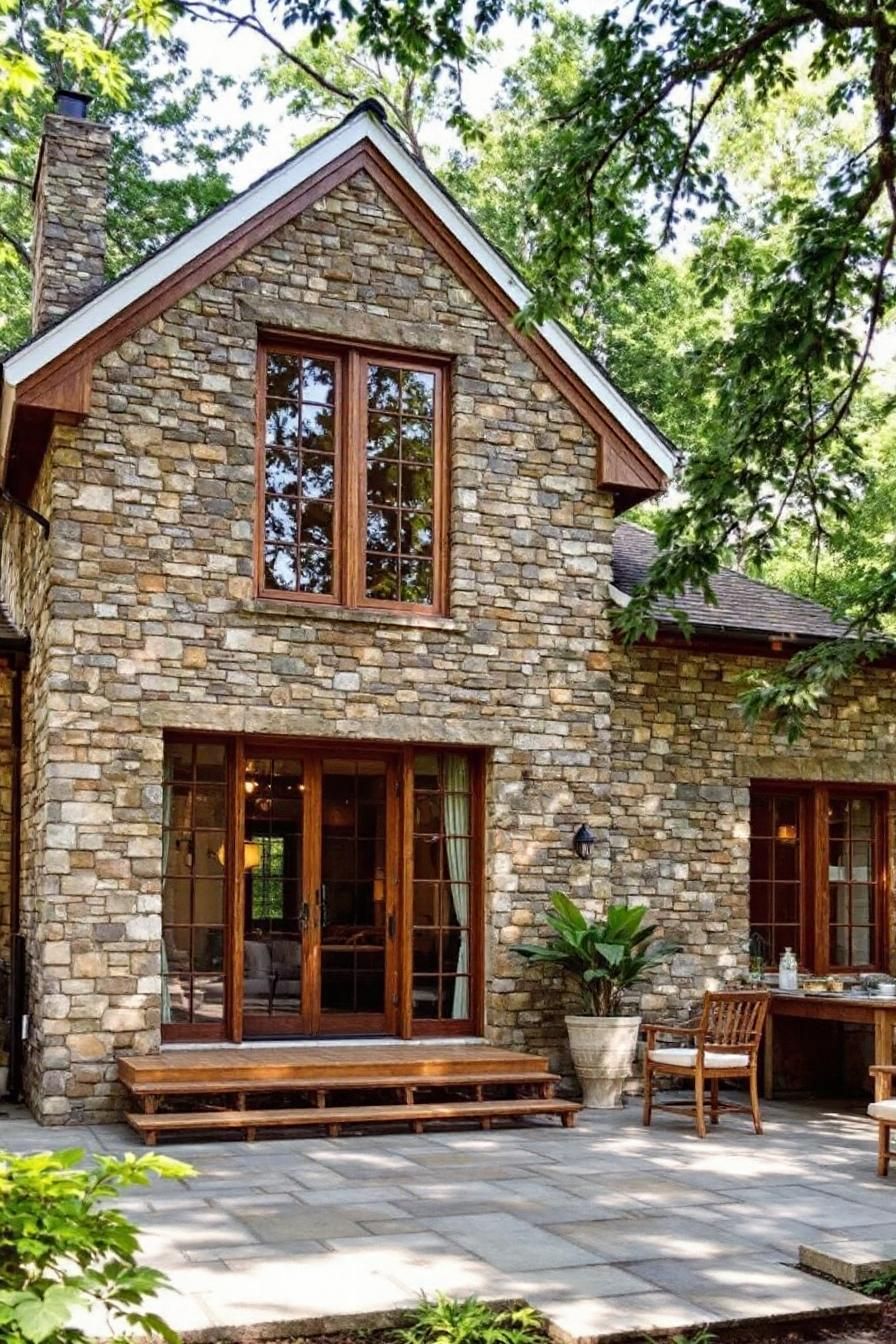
(399, 912)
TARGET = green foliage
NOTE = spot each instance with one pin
(62, 1250)
(604, 957)
(882, 1285)
(445, 1320)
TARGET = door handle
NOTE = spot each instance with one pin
(390, 926)
(304, 916)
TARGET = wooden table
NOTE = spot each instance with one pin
(879, 1013)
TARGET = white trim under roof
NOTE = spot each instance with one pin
(363, 125)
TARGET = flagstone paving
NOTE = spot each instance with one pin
(605, 1228)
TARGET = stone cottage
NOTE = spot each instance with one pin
(309, 554)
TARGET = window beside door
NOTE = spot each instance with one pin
(818, 875)
(351, 466)
(194, 897)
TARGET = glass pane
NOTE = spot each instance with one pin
(425, 996)
(211, 762)
(416, 534)
(318, 380)
(176, 999)
(284, 375)
(760, 815)
(786, 858)
(208, 949)
(417, 392)
(382, 437)
(317, 429)
(427, 859)
(416, 487)
(280, 568)
(317, 524)
(862, 904)
(383, 385)
(786, 811)
(318, 476)
(416, 441)
(428, 813)
(209, 808)
(760, 902)
(837, 814)
(281, 472)
(839, 902)
(426, 771)
(208, 998)
(787, 903)
(382, 483)
(760, 859)
(416, 581)
(175, 900)
(382, 577)
(382, 530)
(316, 570)
(280, 520)
(839, 948)
(862, 861)
(862, 946)
(282, 424)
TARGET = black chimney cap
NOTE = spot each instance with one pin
(70, 104)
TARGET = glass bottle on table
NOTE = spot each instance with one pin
(788, 971)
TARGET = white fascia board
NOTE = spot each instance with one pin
(157, 269)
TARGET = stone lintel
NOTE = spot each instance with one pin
(865, 767)
(391, 728)
(363, 328)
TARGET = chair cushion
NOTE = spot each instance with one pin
(681, 1055)
(883, 1110)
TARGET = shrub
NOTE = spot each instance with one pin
(445, 1320)
(62, 1250)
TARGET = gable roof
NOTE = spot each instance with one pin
(745, 606)
(364, 127)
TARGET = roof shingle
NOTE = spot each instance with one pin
(745, 606)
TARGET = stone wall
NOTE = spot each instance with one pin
(69, 247)
(151, 622)
(682, 764)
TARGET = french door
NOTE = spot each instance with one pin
(317, 889)
(320, 880)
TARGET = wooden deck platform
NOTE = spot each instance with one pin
(419, 1082)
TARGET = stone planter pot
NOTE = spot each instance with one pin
(603, 1050)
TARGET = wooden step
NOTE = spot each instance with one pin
(273, 1063)
(335, 1117)
(331, 1082)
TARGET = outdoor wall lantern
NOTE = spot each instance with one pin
(583, 842)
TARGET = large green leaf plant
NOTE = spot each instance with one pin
(64, 1252)
(604, 957)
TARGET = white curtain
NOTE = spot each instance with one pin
(457, 846)
(166, 845)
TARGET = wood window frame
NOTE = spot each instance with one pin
(350, 466)
(400, 778)
(814, 941)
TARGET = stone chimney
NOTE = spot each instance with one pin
(69, 239)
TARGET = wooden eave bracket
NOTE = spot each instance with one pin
(625, 472)
(29, 412)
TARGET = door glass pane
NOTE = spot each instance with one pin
(776, 873)
(353, 877)
(194, 912)
(442, 886)
(274, 898)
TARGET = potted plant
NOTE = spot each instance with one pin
(604, 957)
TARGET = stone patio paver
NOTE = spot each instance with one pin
(605, 1228)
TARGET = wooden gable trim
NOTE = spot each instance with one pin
(63, 386)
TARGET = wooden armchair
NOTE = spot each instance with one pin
(722, 1043)
(883, 1110)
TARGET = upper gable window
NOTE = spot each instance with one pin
(350, 479)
